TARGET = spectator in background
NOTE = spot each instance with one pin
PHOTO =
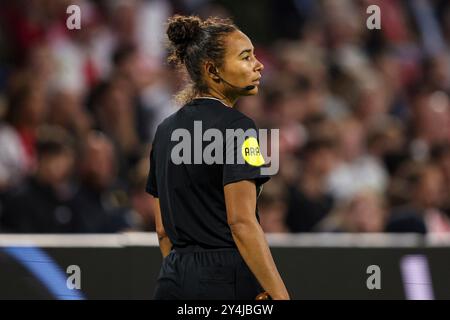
(441, 157)
(365, 211)
(389, 65)
(357, 169)
(308, 200)
(13, 167)
(372, 101)
(26, 111)
(430, 123)
(422, 210)
(272, 207)
(436, 71)
(67, 111)
(127, 65)
(382, 95)
(386, 141)
(115, 116)
(101, 202)
(80, 55)
(41, 203)
(142, 204)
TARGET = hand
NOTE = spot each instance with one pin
(281, 297)
(263, 296)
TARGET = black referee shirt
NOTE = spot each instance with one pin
(191, 195)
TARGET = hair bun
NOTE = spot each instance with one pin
(182, 30)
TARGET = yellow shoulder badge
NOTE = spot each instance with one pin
(251, 152)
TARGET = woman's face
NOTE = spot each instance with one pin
(240, 67)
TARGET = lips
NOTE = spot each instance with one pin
(256, 80)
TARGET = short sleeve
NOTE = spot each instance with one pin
(243, 157)
(151, 186)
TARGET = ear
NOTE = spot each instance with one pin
(211, 71)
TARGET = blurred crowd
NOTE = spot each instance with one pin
(364, 115)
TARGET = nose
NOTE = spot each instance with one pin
(259, 66)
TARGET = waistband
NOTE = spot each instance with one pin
(197, 248)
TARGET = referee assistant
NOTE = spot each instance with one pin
(206, 216)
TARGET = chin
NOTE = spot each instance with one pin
(252, 92)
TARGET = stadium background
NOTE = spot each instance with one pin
(364, 116)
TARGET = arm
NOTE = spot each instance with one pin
(240, 199)
(164, 242)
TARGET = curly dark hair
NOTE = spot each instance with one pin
(193, 41)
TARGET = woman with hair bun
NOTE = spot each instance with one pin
(206, 215)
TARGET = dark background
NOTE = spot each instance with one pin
(310, 273)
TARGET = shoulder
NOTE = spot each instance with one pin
(406, 219)
(223, 117)
(168, 121)
(236, 119)
(164, 126)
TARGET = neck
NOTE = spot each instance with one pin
(228, 100)
(43, 180)
(313, 184)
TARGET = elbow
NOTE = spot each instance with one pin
(161, 233)
(243, 227)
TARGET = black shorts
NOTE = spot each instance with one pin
(206, 274)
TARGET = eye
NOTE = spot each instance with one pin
(247, 58)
